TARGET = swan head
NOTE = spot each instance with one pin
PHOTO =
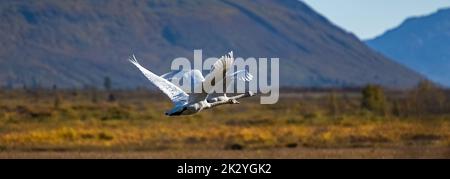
(184, 110)
(176, 111)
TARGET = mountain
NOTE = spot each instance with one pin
(78, 43)
(421, 43)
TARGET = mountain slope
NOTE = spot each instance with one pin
(422, 43)
(77, 43)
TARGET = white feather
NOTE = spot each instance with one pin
(195, 77)
(176, 95)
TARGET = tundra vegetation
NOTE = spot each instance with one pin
(39, 120)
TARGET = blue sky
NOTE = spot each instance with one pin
(370, 18)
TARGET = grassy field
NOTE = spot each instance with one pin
(277, 153)
(131, 124)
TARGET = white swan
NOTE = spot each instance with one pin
(187, 104)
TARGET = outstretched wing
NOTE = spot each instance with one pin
(230, 80)
(194, 76)
(219, 69)
(241, 75)
(178, 96)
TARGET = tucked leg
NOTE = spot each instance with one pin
(247, 94)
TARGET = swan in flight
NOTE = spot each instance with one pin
(187, 104)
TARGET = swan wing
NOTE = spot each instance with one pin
(219, 69)
(195, 77)
(231, 79)
(176, 95)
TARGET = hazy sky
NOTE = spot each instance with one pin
(370, 18)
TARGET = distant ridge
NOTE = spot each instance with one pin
(421, 43)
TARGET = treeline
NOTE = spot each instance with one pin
(426, 99)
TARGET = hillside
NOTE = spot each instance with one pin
(78, 43)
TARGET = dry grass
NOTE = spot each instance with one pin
(134, 126)
(284, 153)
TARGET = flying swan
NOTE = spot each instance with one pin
(188, 104)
